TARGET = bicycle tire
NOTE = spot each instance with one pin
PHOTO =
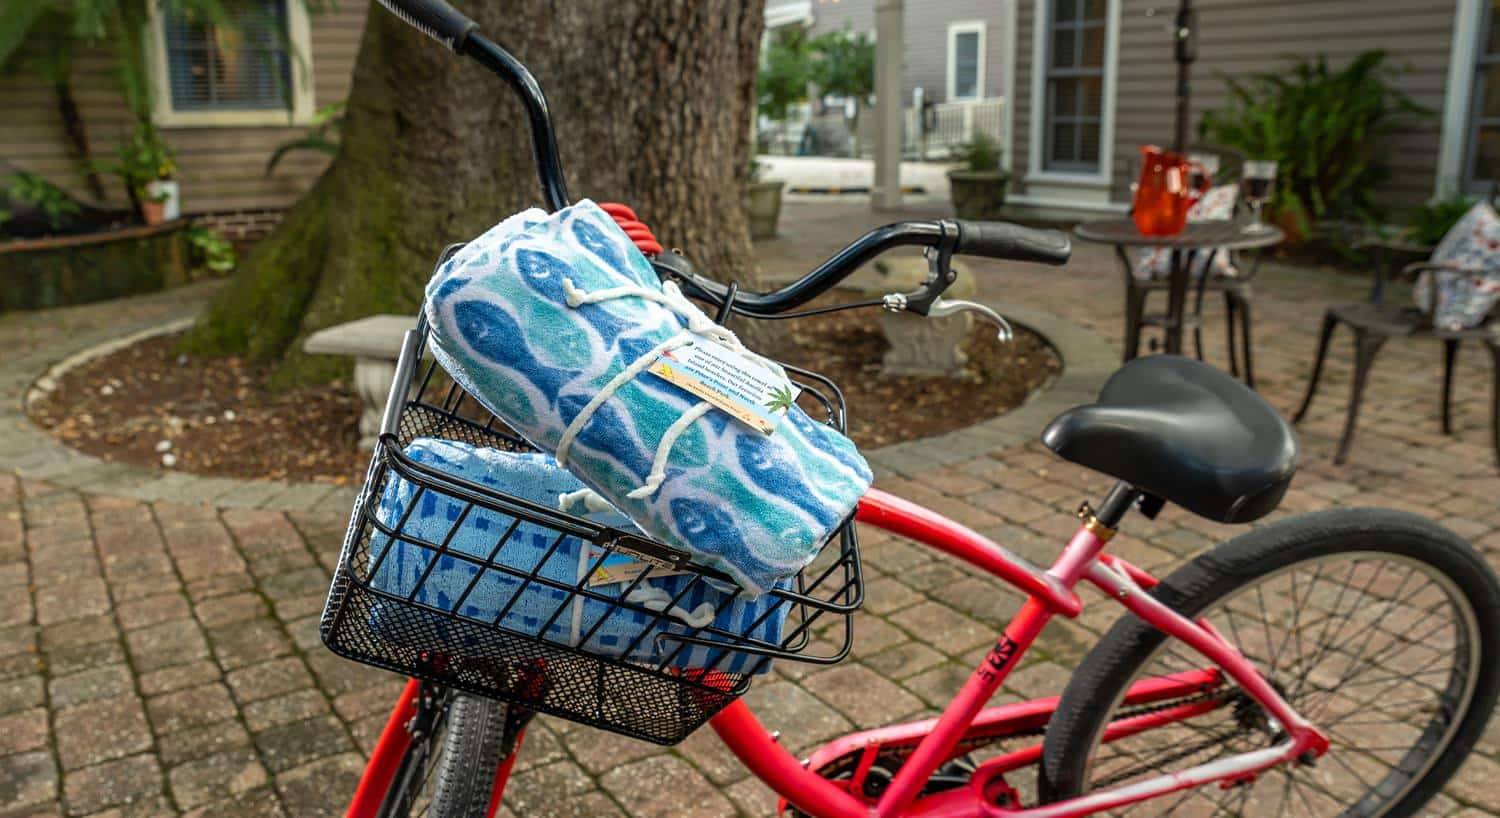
(1279, 550)
(449, 771)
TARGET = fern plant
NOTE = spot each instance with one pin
(322, 137)
(1324, 128)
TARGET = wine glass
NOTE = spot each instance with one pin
(1259, 175)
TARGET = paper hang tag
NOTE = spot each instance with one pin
(733, 381)
(617, 568)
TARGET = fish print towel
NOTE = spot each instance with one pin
(402, 565)
(758, 507)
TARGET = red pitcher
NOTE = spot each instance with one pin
(1168, 187)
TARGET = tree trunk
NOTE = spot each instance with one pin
(650, 99)
(78, 135)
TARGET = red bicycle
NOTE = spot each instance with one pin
(1337, 663)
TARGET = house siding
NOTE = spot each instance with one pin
(925, 62)
(221, 169)
(1241, 37)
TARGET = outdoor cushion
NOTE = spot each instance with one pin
(401, 565)
(1215, 205)
(1462, 295)
(550, 321)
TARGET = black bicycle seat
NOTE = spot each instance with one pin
(1186, 432)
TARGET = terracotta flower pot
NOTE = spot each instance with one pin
(154, 212)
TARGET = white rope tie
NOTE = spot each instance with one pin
(593, 501)
(620, 379)
(671, 297)
(649, 596)
(664, 449)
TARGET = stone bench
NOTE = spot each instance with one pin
(375, 344)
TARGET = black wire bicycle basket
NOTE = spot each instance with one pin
(662, 699)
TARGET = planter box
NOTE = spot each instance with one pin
(978, 194)
(765, 208)
(62, 270)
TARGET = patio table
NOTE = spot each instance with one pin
(1209, 237)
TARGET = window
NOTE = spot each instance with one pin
(1484, 108)
(1073, 91)
(965, 60)
(241, 74)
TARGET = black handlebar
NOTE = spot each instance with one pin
(992, 239)
(1014, 242)
(436, 19)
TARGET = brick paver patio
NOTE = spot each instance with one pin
(162, 658)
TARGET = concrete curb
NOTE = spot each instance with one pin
(34, 454)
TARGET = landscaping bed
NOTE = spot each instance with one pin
(60, 270)
(147, 405)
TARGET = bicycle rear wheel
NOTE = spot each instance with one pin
(1381, 627)
(449, 768)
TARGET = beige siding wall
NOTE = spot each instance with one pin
(220, 168)
(1239, 37)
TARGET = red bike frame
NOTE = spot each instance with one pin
(967, 719)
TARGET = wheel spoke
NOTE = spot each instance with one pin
(1365, 654)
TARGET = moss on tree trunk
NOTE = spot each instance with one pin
(651, 100)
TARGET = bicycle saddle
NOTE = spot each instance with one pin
(1186, 432)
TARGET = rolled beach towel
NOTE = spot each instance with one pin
(550, 322)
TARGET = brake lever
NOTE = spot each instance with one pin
(944, 307)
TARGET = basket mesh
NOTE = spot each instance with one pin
(656, 701)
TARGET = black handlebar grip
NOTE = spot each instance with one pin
(1014, 242)
(436, 19)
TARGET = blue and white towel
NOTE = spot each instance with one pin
(403, 565)
(758, 507)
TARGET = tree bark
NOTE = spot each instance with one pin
(651, 100)
(78, 135)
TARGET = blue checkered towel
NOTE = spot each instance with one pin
(403, 566)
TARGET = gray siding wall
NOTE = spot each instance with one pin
(1239, 37)
(926, 35)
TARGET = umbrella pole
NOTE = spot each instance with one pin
(1185, 39)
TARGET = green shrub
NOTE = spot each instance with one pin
(784, 72)
(980, 153)
(1433, 220)
(843, 64)
(209, 249)
(48, 199)
(1323, 127)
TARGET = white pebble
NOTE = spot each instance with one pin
(229, 414)
(106, 390)
(163, 446)
(169, 460)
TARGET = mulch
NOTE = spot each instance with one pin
(148, 405)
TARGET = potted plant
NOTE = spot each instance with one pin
(978, 186)
(765, 203)
(145, 167)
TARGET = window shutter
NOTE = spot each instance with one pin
(244, 66)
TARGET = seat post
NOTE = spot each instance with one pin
(1121, 496)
